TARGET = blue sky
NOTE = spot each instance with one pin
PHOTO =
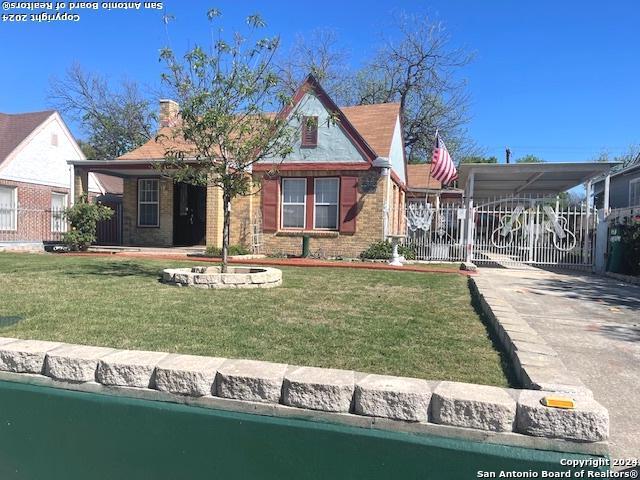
(555, 79)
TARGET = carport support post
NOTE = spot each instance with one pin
(602, 231)
(469, 229)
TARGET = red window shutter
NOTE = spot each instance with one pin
(270, 204)
(348, 204)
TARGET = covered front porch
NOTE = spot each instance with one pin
(156, 210)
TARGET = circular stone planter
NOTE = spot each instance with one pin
(236, 277)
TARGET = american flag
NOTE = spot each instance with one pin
(442, 167)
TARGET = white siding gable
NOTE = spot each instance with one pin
(396, 153)
(333, 144)
(38, 160)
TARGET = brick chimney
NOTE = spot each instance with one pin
(168, 113)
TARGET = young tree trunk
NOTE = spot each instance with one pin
(225, 231)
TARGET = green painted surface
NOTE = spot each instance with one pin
(48, 433)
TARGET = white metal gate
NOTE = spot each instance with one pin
(507, 231)
(534, 231)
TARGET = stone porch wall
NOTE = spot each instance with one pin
(161, 236)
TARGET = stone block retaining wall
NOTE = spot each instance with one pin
(450, 409)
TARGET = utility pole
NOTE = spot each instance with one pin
(508, 154)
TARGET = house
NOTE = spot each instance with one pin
(35, 178)
(423, 188)
(343, 186)
(624, 186)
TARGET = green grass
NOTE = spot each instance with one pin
(400, 323)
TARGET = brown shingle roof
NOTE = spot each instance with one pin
(376, 124)
(419, 176)
(113, 185)
(14, 128)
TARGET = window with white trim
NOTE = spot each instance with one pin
(294, 194)
(58, 204)
(8, 208)
(634, 192)
(148, 202)
(326, 203)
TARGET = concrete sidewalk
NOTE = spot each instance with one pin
(594, 324)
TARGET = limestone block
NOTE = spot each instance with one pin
(187, 374)
(129, 368)
(75, 363)
(25, 356)
(325, 389)
(392, 397)
(589, 421)
(250, 380)
(473, 406)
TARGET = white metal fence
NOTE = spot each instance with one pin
(19, 224)
(504, 231)
(436, 234)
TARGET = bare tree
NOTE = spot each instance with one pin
(115, 120)
(319, 54)
(421, 71)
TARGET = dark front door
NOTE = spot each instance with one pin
(189, 214)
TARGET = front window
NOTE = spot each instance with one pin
(8, 208)
(294, 192)
(326, 203)
(148, 203)
(634, 192)
(58, 204)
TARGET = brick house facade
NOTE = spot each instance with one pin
(35, 177)
(343, 186)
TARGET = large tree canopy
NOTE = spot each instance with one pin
(418, 68)
(115, 120)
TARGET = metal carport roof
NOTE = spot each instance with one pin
(488, 180)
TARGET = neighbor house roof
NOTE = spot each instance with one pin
(375, 123)
(419, 177)
(110, 184)
(15, 128)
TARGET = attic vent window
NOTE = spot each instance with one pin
(54, 139)
(309, 132)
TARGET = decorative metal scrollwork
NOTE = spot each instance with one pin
(419, 216)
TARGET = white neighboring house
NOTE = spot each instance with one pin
(35, 179)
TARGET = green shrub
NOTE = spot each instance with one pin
(630, 239)
(84, 217)
(383, 251)
(212, 251)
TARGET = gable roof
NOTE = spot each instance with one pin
(376, 123)
(419, 177)
(370, 127)
(15, 128)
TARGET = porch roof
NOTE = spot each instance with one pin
(536, 179)
(121, 168)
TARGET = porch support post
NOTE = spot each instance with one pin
(602, 231)
(586, 252)
(214, 216)
(469, 227)
(80, 182)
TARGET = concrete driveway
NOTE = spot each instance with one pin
(594, 324)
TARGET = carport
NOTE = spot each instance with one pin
(527, 190)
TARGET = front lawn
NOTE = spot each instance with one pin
(399, 323)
